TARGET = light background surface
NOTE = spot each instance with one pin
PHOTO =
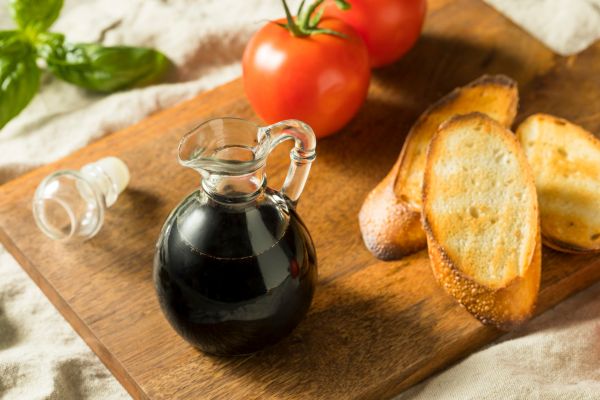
(556, 356)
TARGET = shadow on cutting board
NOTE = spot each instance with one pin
(359, 330)
(399, 94)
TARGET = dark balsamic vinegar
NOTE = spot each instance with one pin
(232, 280)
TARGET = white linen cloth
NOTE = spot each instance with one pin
(565, 26)
(555, 356)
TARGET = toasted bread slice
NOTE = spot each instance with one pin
(565, 160)
(480, 215)
(390, 216)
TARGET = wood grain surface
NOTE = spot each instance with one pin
(375, 328)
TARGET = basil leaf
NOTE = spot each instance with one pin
(47, 42)
(19, 82)
(12, 44)
(106, 69)
(38, 15)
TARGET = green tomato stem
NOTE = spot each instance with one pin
(306, 22)
(291, 24)
(300, 7)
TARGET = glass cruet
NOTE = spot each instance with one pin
(235, 267)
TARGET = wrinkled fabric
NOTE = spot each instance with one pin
(565, 26)
(555, 356)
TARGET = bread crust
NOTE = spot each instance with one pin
(389, 220)
(550, 237)
(390, 227)
(505, 306)
(565, 247)
(490, 306)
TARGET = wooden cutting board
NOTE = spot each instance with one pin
(375, 328)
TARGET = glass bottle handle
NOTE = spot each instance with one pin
(302, 155)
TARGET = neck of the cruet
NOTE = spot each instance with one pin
(234, 188)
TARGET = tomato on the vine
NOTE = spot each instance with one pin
(389, 27)
(306, 68)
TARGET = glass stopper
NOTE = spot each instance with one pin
(70, 205)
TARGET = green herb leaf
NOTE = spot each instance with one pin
(47, 43)
(11, 43)
(19, 81)
(106, 69)
(37, 15)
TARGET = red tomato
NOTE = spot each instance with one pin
(320, 79)
(388, 27)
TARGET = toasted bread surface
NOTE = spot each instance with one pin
(495, 96)
(390, 216)
(481, 219)
(565, 160)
